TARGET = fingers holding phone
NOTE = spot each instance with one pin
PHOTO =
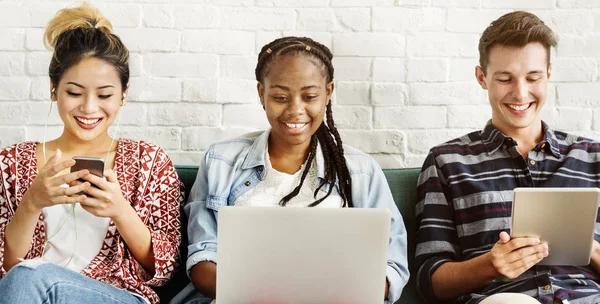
(47, 190)
(91, 165)
(106, 198)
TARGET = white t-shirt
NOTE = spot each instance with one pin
(80, 237)
(277, 184)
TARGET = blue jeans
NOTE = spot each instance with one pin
(51, 284)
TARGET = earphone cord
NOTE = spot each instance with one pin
(45, 127)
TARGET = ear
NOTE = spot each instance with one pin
(549, 71)
(125, 94)
(480, 75)
(260, 89)
(52, 91)
(330, 87)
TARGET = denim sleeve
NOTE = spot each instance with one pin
(380, 196)
(436, 238)
(202, 221)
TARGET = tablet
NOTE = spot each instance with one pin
(564, 218)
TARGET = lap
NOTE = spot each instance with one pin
(191, 295)
(41, 282)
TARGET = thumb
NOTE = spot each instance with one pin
(54, 159)
(504, 237)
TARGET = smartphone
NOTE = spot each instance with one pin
(93, 164)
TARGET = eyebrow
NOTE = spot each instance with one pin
(102, 87)
(288, 89)
(509, 73)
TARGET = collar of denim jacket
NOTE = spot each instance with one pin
(257, 154)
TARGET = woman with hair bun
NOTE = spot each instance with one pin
(75, 237)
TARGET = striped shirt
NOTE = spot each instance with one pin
(465, 193)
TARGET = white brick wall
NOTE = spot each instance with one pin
(404, 68)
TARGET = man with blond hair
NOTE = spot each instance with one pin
(465, 188)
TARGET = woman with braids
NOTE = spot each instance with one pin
(77, 237)
(299, 162)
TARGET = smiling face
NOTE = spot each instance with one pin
(517, 81)
(295, 94)
(88, 96)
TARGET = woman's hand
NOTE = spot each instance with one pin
(107, 200)
(46, 189)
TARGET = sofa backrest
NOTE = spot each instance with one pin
(403, 184)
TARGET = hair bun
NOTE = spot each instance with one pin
(84, 17)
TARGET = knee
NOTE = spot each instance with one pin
(17, 275)
(28, 282)
(28, 275)
(509, 298)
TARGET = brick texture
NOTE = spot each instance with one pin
(404, 69)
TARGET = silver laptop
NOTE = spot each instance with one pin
(565, 218)
(302, 255)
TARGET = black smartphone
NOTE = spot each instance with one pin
(93, 164)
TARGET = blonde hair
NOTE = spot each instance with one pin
(83, 32)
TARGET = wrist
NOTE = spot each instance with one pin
(27, 206)
(491, 273)
(387, 289)
(124, 215)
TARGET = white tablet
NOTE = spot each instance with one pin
(565, 218)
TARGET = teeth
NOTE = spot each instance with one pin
(518, 108)
(87, 121)
(295, 126)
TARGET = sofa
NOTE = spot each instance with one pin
(403, 184)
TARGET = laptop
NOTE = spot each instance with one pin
(565, 218)
(302, 255)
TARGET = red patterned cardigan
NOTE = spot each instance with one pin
(148, 181)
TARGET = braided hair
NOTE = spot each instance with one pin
(326, 135)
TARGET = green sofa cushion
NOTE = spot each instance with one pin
(403, 183)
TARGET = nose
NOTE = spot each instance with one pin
(296, 106)
(90, 104)
(520, 90)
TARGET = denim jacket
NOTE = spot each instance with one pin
(232, 167)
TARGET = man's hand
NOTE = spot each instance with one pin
(595, 260)
(510, 258)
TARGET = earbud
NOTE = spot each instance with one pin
(124, 95)
(52, 94)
